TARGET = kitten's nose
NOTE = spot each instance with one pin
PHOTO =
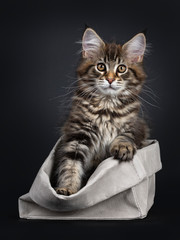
(110, 77)
(110, 80)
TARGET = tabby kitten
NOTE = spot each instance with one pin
(104, 120)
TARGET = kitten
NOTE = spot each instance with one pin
(104, 120)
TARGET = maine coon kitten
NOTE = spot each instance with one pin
(104, 120)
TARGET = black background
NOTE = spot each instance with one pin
(39, 57)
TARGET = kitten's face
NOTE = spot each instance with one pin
(111, 69)
(111, 75)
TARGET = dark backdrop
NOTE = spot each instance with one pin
(39, 57)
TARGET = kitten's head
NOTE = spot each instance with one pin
(110, 68)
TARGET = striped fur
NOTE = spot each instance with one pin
(104, 119)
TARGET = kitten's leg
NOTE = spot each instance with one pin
(72, 159)
(69, 177)
(123, 147)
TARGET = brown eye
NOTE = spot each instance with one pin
(121, 68)
(101, 67)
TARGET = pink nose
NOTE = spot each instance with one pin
(110, 80)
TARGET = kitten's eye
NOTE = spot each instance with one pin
(101, 67)
(121, 68)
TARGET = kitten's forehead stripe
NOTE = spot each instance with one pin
(112, 52)
(118, 59)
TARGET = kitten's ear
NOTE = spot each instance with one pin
(135, 48)
(91, 43)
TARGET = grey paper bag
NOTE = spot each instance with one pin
(116, 190)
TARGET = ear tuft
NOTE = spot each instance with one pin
(135, 48)
(91, 43)
(144, 31)
(86, 26)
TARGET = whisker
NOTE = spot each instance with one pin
(71, 89)
(149, 95)
(149, 102)
(61, 96)
(143, 99)
(150, 90)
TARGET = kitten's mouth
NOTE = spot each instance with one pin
(111, 87)
(110, 90)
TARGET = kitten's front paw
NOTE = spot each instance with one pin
(123, 151)
(64, 191)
